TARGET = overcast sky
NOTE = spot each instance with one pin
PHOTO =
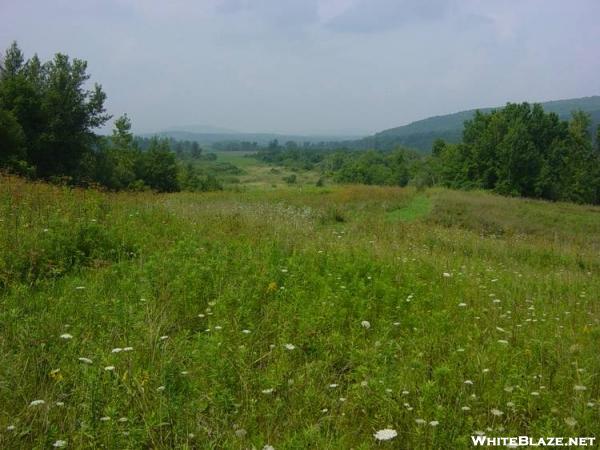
(315, 66)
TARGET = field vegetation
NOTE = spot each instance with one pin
(296, 317)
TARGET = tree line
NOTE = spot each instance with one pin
(47, 122)
(519, 150)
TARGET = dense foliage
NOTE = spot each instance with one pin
(47, 122)
(521, 150)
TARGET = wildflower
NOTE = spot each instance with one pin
(324, 410)
(56, 375)
(462, 305)
(10, 428)
(246, 331)
(184, 372)
(160, 388)
(202, 316)
(240, 432)
(109, 368)
(290, 346)
(123, 419)
(104, 419)
(365, 324)
(446, 275)
(468, 382)
(434, 423)
(364, 383)
(420, 421)
(343, 399)
(66, 336)
(127, 349)
(164, 338)
(496, 412)
(466, 408)
(385, 434)
(578, 387)
(268, 391)
(85, 360)
(333, 385)
(272, 287)
(535, 393)
(268, 447)
(218, 327)
(79, 288)
(116, 350)
(59, 444)
(502, 341)
(510, 404)
(37, 402)
(59, 404)
(570, 421)
(405, 392)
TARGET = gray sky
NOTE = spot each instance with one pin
(315, 66)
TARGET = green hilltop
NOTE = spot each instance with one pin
(421, 134)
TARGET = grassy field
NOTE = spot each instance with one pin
(296, 317)
(257, 174)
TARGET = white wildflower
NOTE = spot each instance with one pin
(365, 324)
(290, 346)
(160, 388)
(66, 336)
(570, 421)
(109, 368)
(579, 387)
(85, 360)
(268, 391)
(446, 275)
(434, 423)
(37, 402)
(496, 412)
(128, 349)
(468, 382)
(246, 331)
(116, 350)
(164, 338)
(385, 434)
(59, 444)
(502, 341)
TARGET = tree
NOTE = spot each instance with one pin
(158, 168)
(56, 113)
(12, 142)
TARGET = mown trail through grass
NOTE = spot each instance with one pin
(298, 318)
(418, 207)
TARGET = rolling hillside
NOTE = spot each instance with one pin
(422, 133)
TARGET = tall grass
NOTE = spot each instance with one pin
(483, 316)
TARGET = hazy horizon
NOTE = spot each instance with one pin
(332, 67)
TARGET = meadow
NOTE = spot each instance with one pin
(294, 317)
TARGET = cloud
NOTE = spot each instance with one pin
(368, 16)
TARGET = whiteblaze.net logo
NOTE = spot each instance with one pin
(526, 441)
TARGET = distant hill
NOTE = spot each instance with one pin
(421, 134)
(207, 136)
